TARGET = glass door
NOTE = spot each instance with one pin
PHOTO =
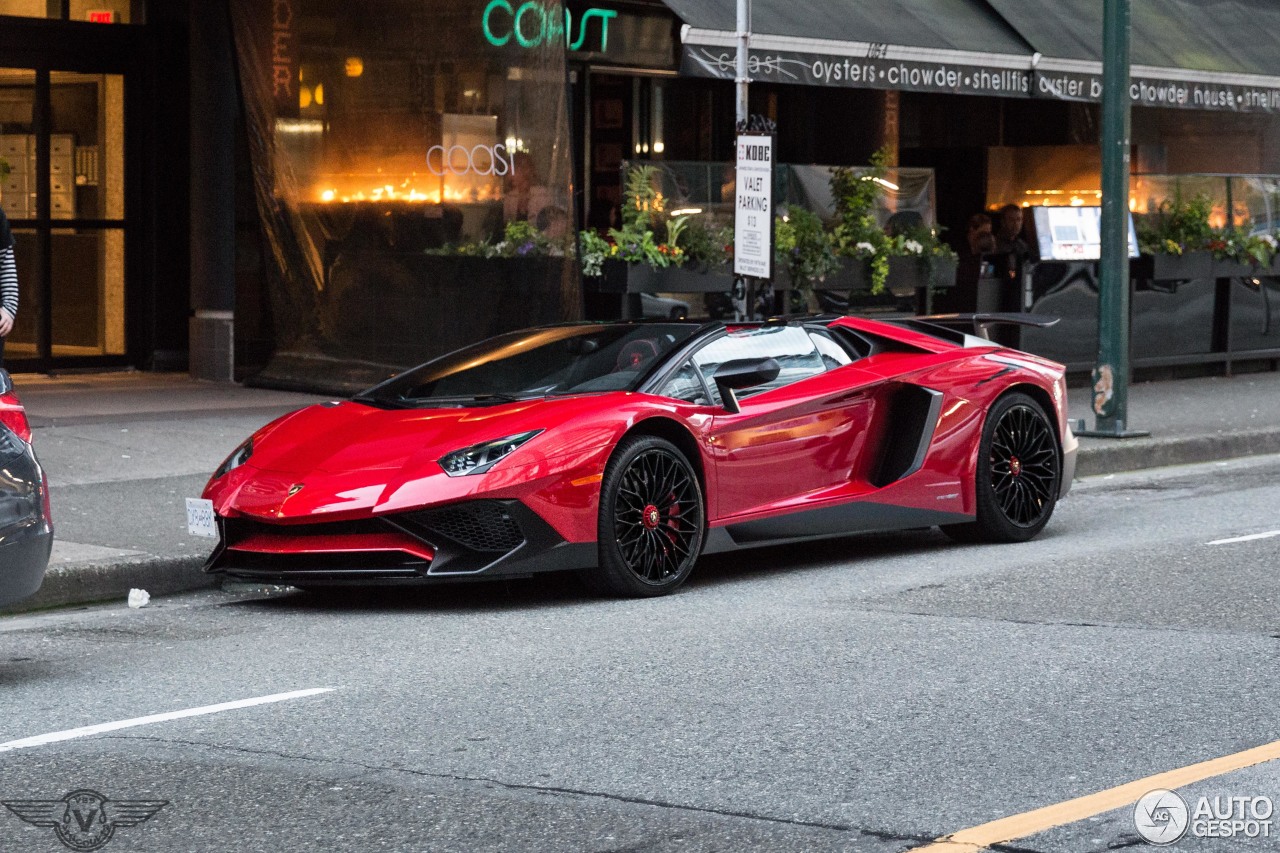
(62, 139)
(86, 213)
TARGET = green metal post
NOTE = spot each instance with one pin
(1111, 375)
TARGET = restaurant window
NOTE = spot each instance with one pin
(397, 144)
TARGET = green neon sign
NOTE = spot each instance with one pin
(531, 25)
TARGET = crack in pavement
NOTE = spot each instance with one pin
(883, 835)
(1119, 626)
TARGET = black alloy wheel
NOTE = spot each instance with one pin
(1019, 473)
(651, 521)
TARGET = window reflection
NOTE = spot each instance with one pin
(406, 108)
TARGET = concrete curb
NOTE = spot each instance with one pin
(88, 583)
(1132, 454)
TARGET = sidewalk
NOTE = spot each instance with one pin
(124, 450)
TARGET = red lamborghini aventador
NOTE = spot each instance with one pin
(626, 450)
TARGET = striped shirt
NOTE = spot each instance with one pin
(8, 282)
(8, 269)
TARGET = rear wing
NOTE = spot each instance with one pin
(964, 328)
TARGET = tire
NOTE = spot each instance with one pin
(652, 520)
(1019, 474)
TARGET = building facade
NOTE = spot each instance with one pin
(317, 188)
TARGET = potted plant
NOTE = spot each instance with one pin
(653, 252)
(901, 261)
(1176, 240)
(919, 259)
(857, 236)
(1239, 255)
(803, 252)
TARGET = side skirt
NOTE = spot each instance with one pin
(826, 522)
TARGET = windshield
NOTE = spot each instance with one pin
(534, 363)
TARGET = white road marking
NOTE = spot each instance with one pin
(87, 731)
(1250, 538)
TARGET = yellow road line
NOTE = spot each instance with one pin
(1017, 826)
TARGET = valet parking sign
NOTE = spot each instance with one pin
(753, 207)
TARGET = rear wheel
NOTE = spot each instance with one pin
(1019, 474)
(651, 519)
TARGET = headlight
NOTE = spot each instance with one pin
(238, 457)
(481, 457)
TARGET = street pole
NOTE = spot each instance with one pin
(1111, 375)
(741, 117)
(744, 38)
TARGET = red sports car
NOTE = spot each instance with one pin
(626, 450)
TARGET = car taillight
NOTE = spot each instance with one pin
(12, 416)
(44, 490)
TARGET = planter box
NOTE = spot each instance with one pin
(1190, 265)
(1234, 269)
(906, 275)
(852, 275)
(621, 277)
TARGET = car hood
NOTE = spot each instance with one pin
(351, 436)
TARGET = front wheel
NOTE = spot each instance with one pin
(1019, 474)
(651, 519)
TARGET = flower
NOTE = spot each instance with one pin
(913, 247)
(865, 249)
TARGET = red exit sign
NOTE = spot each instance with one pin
(101, 16)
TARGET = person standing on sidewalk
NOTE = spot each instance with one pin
(8, 283)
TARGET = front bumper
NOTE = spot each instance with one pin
(473, 539)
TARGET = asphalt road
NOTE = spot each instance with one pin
(870, 695)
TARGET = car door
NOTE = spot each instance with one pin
(796, 440)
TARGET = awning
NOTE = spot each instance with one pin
(955, 46)
(1191, 54)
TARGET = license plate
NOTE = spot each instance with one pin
(200, 518)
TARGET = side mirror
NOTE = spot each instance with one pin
(743, 373)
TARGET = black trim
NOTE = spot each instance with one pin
(454, 557)
(912, 417)
(996, 375)
(954, 328)
(841, 520)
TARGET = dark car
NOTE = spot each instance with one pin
(26, 530)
